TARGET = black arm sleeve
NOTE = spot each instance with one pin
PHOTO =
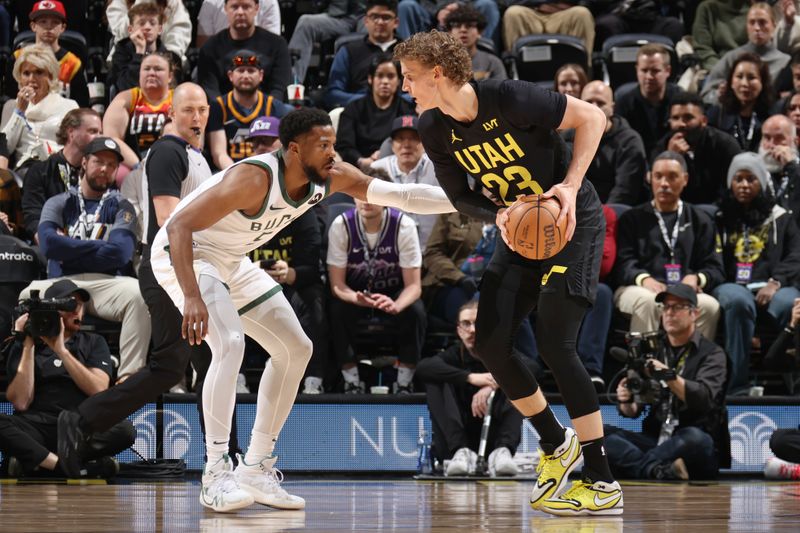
(33, 196)
(167, 166)
(451, 177)
(306, 244)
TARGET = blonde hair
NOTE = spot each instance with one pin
(39, 56)
(437, 48)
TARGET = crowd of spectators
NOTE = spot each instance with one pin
(701, 181)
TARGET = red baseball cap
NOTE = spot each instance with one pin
(48, 7)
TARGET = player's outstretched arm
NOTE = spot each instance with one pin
(409, 197)
(235, 191)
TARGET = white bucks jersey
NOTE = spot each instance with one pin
(236, 234)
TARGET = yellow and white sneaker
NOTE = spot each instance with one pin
(553, 470)
(582, 498)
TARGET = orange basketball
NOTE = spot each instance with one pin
(532, 228)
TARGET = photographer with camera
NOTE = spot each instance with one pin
(53, 366)
(87, 235)
(682, 387)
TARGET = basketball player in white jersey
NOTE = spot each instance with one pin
(199, 257)
(174, 167)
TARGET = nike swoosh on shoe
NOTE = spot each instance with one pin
(571, 458)
(600, 502)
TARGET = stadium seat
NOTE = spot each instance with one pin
(335, 209)
(347, 38)
(619, 208)
(619, 56)
(536, 58)
(71, 40)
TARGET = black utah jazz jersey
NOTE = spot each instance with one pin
(511, 147)
(227, 114)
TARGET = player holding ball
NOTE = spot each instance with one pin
(503, 133)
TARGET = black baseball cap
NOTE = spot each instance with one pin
(244, 58)
(405, 122)
(679, 290)
(103, 144)
(64, 288)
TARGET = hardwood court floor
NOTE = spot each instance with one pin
(407, 505)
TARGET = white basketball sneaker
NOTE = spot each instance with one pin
(221, 491)
(263, 482)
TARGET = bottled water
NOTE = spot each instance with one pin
(424, 454)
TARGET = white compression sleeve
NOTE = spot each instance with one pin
(410, 197)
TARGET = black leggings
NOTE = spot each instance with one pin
(506, 299)
(167, 366)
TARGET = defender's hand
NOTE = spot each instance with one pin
(195, 320)
(567, 196)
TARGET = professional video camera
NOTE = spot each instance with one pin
(43, 317)
(641, 347)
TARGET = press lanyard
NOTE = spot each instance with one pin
(750, 132)
(670, 242)
(370, 254)
(86, 223)
(671, 421)
(783, 187)
(746, 241)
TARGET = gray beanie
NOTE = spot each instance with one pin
(752, 162)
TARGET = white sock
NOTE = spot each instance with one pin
(404, 376)
(351, 375)
(261, 447)
(214, 452)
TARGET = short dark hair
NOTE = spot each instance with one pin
(651, 49)
(378, 174)
(465, 14)
(471, 304)
(391, 5)
(379, 59)
(669, 155)
(73, 119)
(146, 9)
(226, 2)
(687, 98)
(301, 121)
(795, 58)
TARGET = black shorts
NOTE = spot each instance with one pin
(580, 259)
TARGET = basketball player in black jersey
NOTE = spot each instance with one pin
(503, 134)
